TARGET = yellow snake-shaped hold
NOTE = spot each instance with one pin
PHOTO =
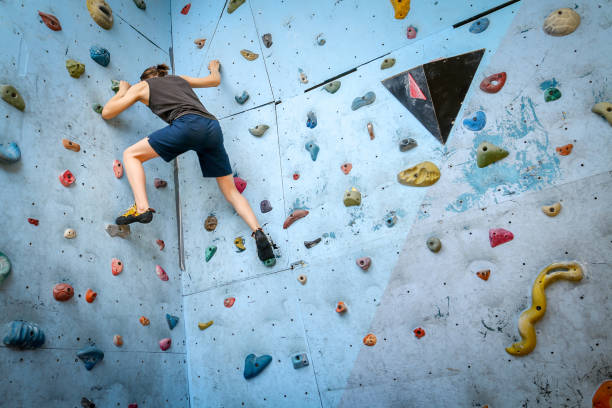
(526, 325)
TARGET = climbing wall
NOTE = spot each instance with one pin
(60, 107)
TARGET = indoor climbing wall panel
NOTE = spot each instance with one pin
(61, 107)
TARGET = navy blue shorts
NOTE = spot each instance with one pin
(198, 133)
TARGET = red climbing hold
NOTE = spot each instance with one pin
(415, 91)
(229, 302)
(63, 292)
(66, 178)
(498, 236)
(116, 266)
(132, 405)
(240, 184)
(493, 83)
(565, 150)
(161, 244)
(50, 21)
(341, 307)
(159, 183)
(185, 9)
(164, 344)
(118, 169)
(346, 168)
(293, 217)
(161, 274)
(33, 221)
(418, 332)
(296, 175)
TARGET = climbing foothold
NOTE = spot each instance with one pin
(299, 360)
(115, 85)
(253, 366)
(332, 87)
(204, 326)
(267, 40)
(63, 292)
(303, 76)
(164, 344)
(210, 251)
(50, 21)
(140, 4)
(293, 217)
(484, 274)
(66, 178)
(369, 340)
(239, 243)
(493, 83)
(10, 153)
(552, 210)
(603, 395)
(418, 332)
(100, 55)
(159, 183)
(364, 100)
(364, 263)
(310, 244)
(352, 197)
(242, 98)
(526, 324)
(90, 296)
(161, 244)
(320, 39)
(70, 145)
(434, 244)
(265, 206)
(401, 7)
(161, 274)
(33, 221)
(488, 153)
(302, 279)
(229, 302)
(116, 266)
(23, 335)
(114, 230)
(370, 130)
(144, 321)
(565, 150)
(233, 5)
(5, 267)
(346, 168)
(498, 236)
(240, 184)
(259, 130)
(200, 42)
(475, 122)
(311, 121)
(97, 108)
(117, 168)
(561, 22)
(211, 223)
(117, 340)
(390, 219)
(12, 96)
(411, 32)
(341, 307)
(70, 233)
(75, 68)
(249, 55)
(85, 403)
(407, 144)
(313, 148)
(296, 175)
(552, 94)
(101, 13)
(185, 9)
(422, 175)
(172, 321)
(604, 109)
(387, 63)
(479, 25)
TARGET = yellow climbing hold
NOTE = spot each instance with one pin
(401, 7)
(422, 175)
(526, 325)
(204, 326)
(239, 242)
(604, 109)
(552, 210)
(249, 55)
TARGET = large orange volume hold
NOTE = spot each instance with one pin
(401, 7)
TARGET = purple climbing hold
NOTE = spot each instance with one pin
(265, 206)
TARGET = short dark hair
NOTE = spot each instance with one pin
(159, 70)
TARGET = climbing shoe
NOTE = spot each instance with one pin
(264, 248)
(132, 215)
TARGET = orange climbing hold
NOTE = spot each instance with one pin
(565, 150)
(90, 296)
(161, 244)
(50, 21)
(493, 83)
(603, 396)
(63, 292)
(484, 274)
(346, 168)
(369, 340)
(33, 221)
(185, 10)
(116, 266)
(293, 217)
(418, 332)
(371, 130)
(401, 7)
(70, 145)
(144, 321)
(341, 308)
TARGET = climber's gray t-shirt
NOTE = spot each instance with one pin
(171, 97)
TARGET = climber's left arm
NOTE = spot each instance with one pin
(126, 96)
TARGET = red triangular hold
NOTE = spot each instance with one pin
(415, 91)
(185, 9)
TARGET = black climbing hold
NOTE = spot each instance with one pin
(310, 244)
(407, 144)
(265, 206)
(267, 40)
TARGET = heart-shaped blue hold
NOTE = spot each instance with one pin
(479, 25)
(100, 55)
(312, 120)
(255, 365)
(90, 356)
(364, 100)
(475, 122)
(313, 148)
(242, 98)
(172, 321)
(9, 153)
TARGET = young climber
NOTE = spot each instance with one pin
(190, 127)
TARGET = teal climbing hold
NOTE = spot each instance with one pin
(390, 219)
(475, 122)
(100, 55)
(242, 98)
(172, 321)
(313, 148)
(90, 355)
(552, 94)
(332, 87)
(253, 366)
(364, 100)
(479, 25)
(9, 152)
(5, 267)
(97, 108)
(311, 120)
(299, 360)
(23, 335)
(210, 251)
(270, 262)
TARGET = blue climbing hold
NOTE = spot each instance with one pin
(479, 25)
(210, 251)
(475, 122)
(390, 219)
(90, 355)
(313, 148)
(100, 55)
(172, 321)
(242, 98)
(24, 335)
(9, 153)
(255, 365)
(299, 360)
(312, 120)
(5, 267)
(364, 100)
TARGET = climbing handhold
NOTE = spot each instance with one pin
(159, 183)
(498, 236)
(140, 4)
(161, 244)
(302, 279)
(364, 100)
(63, 292)
(493, 83)
(9, 153)
(116, 266)
(101, 13)
(267, 40)
(475, 122)
(299, 360)
(311, 120)
(484, 274)
(90, 296)
(85, 403)
(117, 168)
(117, 340)
(310, 244)
(390, 219)
(210, 223)
(422, 175)
(346, 168)
(552, 210)
(603, 395)
(332, 87)
(407, 144)
(526, 324)
(97, 108)
(369, 340)
(364, 263)
(144, 321)
(242, 98)
(70, 233)
(303, 76)
(233, 5)
(434, 244)
(200, 42)
(418, 332)
(33, 221)
(229, 302)
(210, 251)
(204, 326)
(265, 206)
(313, 148)
(552, 94)
(161, 274)
(66, 178)
(293, 217)
(565, 150)
(239, 243)
(319, 39)
(255, 365)
(296, 175)
(100, 55)
(401, 7)
(185, 9)
(115, 85)
(164, 344)
(341, 307)
(370, 130)
(5, 267)
(249, 55)
(387, 63)
(12, 96)
(259, 130)
(488, 153)
(70, 145)
(50, 21)
(75, 68)
(23, 335)
(479, 25)
(561, 22)
(172, 321)
(352, 197)
(114, 230)
(604, 109)
(411, 32)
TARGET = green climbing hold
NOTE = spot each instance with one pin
(233, 5)
(75, 68)
(352, 197)
(210, 251)
(259, 130)
(552, 94)
(114, 85)
(387, 63)
(332, 87)
(5, 267)
(488, 153)
(97, 108)
(140, 4)
(12, 96)
(270, 262)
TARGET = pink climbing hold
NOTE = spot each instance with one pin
(415, 91)
(411, 32)
(118, 169)
(346, 168)
(116, 266)
(240, 184)
(161, 244)
(132, 405)
(229, 302)
(364, 263)
(498, 236)
(165, 344)
(161, 273)
(66, 178)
